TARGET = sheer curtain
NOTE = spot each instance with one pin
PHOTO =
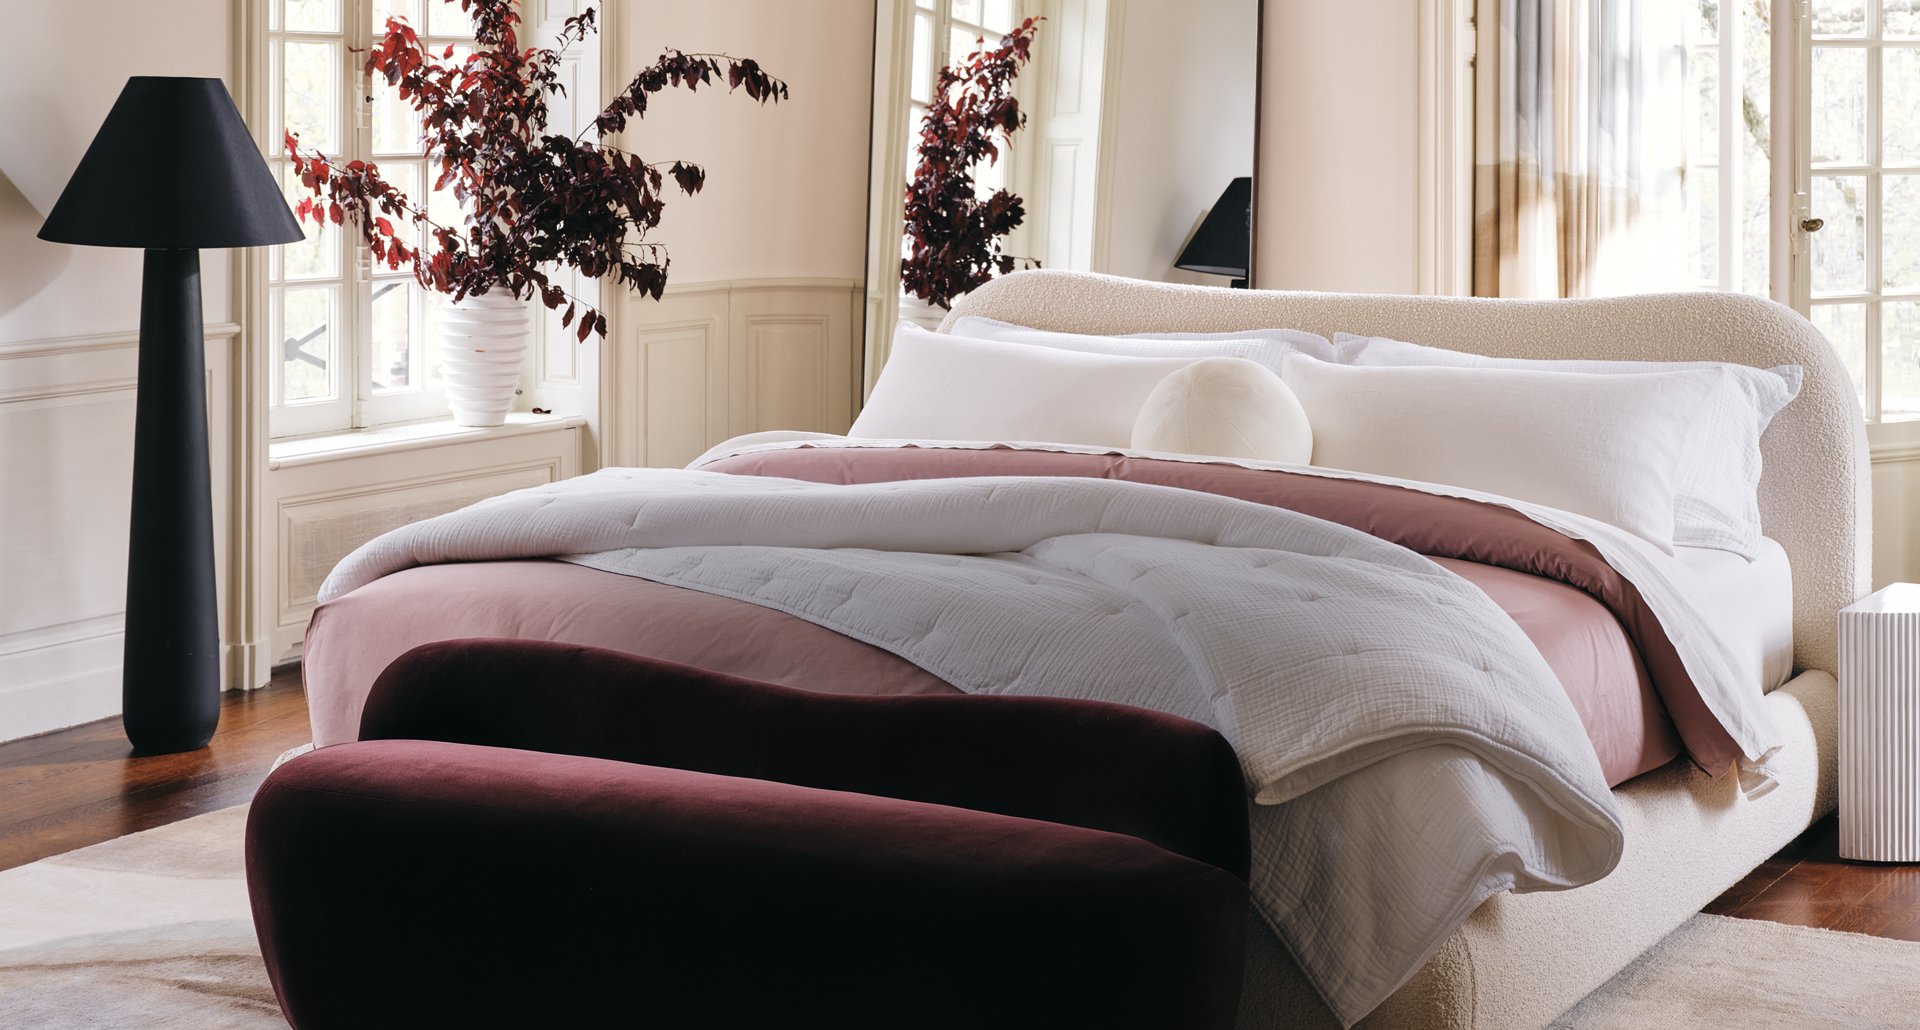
(1579, 148)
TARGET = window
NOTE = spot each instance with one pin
(1862, 277)
(1726, 187)
(355, 343)
(943, 31)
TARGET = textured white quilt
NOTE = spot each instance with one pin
(1383, 709)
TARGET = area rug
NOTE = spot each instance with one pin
(153, 931)
(150, 930)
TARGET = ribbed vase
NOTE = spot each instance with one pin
(482, 339)
(1880, 727)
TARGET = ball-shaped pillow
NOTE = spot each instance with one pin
(1227, 408)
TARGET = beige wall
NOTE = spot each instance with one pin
(761, 324)
(1337, 200)
(786, 191)
(68, 318)
(1896, 521)
(1183, 125)
(68, 64)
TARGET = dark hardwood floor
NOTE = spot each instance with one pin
(80, 786)
(1809, 884)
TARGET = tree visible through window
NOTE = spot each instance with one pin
(1728, 54)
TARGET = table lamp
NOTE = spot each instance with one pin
(1225, 237)
(172, 170)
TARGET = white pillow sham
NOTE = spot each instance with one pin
(1716, 497)
(1226, 408)
(937, 386)
(1607, 447)
(1266, 346)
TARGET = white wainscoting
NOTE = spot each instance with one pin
(66, 473)
(711, 361)
(327, 503)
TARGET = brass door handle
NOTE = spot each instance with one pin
(1812, 224)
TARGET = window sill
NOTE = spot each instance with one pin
(297, 451)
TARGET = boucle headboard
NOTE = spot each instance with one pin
(1814, 492)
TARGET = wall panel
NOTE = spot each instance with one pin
(66, 474)
(711, 361)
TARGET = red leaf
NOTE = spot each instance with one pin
(336, 213)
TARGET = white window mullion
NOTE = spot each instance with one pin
(1733, 206)
(358, 316)
(1876, 281)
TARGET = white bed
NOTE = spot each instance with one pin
(1521, 960)
(916, 565)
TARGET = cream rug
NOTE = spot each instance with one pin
(153, 931)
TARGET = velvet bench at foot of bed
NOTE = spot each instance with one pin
(645, 844)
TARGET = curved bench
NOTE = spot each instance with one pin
(543, 834)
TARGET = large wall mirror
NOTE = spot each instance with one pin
(1140, 124)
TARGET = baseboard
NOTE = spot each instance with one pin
(63, 680)
(63, 676)
(246, 666)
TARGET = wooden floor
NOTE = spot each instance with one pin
(81, 786)
(1809, 884)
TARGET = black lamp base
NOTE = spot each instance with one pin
(170, 682)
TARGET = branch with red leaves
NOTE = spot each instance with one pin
(533, 200)
(956, 234)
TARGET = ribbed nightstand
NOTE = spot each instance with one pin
(1880, 726)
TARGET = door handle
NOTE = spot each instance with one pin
(1812, 224)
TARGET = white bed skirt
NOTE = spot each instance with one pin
(1523, 959)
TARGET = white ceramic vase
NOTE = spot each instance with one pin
(482, 339)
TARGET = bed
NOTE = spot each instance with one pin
(1519, 959)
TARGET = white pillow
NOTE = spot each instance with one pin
(1607, 447)
(1228, 408)
(936, 386)
(1717, 494)
(1267, 346)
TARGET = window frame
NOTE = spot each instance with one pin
(1872, 169)
(353, 402)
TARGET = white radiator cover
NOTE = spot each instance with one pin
(1880, 726)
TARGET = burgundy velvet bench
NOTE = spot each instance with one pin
(545, 835)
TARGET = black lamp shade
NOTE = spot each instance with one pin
(1220, 245)
(173, 166)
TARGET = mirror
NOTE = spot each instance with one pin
(1140, 122)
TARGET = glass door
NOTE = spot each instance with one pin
(1855, 223)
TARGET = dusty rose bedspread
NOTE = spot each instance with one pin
(1584, 619)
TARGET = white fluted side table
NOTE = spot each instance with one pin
(1880, 726)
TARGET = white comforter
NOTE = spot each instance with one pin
(1410, 752)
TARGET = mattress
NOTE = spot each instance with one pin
(1750, 603)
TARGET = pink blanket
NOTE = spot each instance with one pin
(1586, 620)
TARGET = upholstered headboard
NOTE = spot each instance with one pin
(1813, 495)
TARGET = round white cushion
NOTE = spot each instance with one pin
(1228, 408)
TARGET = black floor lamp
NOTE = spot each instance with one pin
(173, 170)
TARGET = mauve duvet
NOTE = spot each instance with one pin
(1574, 615)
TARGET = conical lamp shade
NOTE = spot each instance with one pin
(1221, 244)
(173, 166)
